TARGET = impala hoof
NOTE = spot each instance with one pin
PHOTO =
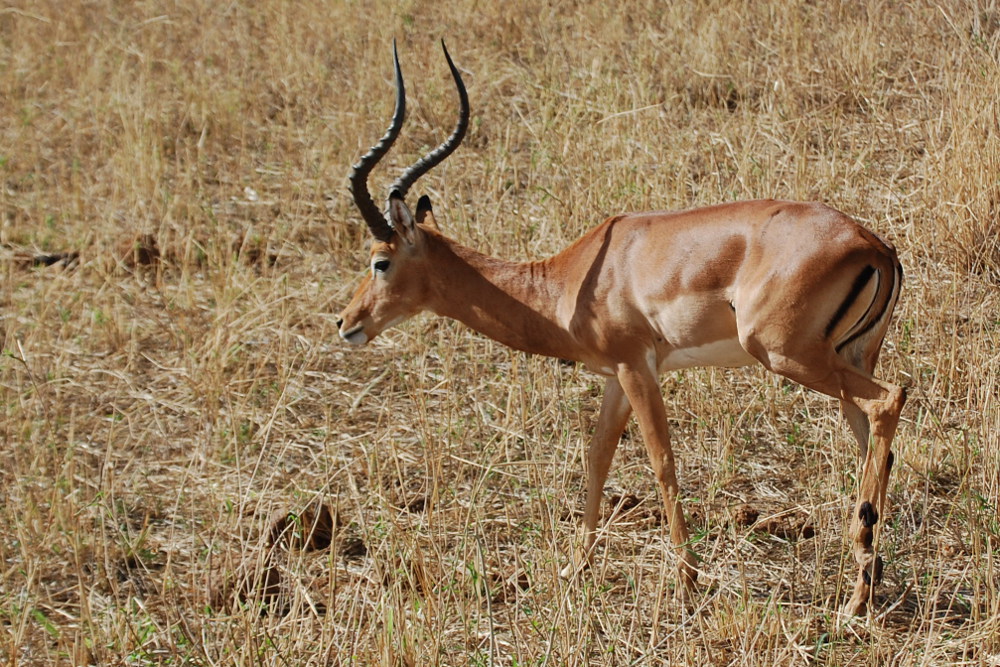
(578, 562)
(868, 577)
(858, 604)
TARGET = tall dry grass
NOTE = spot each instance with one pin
(156, 414)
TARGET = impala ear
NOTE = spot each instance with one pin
(401, 218)
(425, 213)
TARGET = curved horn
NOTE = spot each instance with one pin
(432, 159)
(380, 229)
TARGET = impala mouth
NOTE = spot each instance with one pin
(355, 336)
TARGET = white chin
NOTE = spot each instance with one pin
(355, 338)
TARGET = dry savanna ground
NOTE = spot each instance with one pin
(177, 409)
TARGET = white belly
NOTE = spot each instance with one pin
(727, 352)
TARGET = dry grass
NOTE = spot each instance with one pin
(157, 408)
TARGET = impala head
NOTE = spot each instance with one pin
(396, 286)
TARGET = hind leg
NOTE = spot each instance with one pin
(863, 355)
(860, 427)
(884, 415)
(871, 405)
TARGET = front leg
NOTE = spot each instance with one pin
(642, 387)
(611, 422)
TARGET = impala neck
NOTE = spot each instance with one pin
(512, 303)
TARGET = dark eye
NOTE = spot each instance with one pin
(381, 266)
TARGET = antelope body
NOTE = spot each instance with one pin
(798, 287)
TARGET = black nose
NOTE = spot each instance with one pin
(340, 321)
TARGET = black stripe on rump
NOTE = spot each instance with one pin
(887, 307)
(859, 284)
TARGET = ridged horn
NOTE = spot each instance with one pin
(436, 156)
(374, 218)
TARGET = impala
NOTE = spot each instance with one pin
(798, 287)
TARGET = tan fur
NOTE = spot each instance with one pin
(644, 292)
